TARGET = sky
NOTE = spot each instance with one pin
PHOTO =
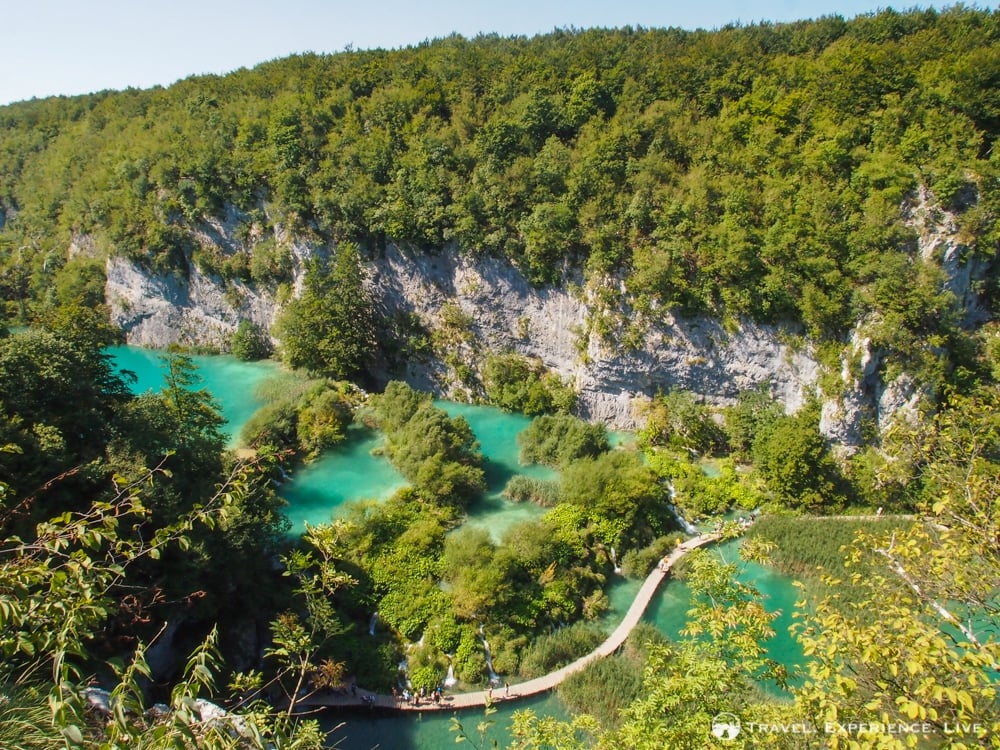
(67, 47)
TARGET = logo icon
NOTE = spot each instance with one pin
(726, 726)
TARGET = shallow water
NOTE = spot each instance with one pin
(318, 490)
(365, 730)
(232, 382)
(497, 431)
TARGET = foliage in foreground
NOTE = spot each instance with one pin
(911, 654)
(56, 593)
(932, 652)
(684, 685)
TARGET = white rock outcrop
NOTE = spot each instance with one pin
(555, 324)
(158, 310)
(509, 314)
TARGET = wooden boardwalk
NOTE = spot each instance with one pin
(538, 685)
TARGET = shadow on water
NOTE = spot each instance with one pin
(497, 431)
(364, 729)
(497, 475)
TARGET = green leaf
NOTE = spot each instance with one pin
(73, 734)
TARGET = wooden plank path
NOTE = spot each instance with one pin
(538, 685)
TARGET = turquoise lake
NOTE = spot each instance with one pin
(317, 492)
(233, 383)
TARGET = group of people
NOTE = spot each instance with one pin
(414, 698)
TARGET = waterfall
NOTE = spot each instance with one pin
(494, 677)
(372, 623)
(450, 680)
(614, 560)
(688, 527)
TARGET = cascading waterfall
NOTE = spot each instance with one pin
(450, 680)
(404, 669)
(494, 677)
(372, 623)
(688, 527)
(614, 560)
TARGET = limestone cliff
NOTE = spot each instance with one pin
(629, 359)
(193, 310)
(506, 313)
(552, 324)
(867, 395)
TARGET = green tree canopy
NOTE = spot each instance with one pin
(330, 329)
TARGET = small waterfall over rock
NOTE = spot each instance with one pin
(372, 623)
(450, 680)
(688, 527)
(614, 560)
(494, 677)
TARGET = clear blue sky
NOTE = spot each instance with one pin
(78, 46)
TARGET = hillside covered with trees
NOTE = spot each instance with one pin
(754, 171)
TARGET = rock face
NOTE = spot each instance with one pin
(498, 310)
(866, 396)
(940, 241)
(196, 310)
(508, 314)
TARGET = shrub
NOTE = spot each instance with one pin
(556, 440)
(638, 563)
(470, 659)
(516, 383)
(249, 342)
(564, 646)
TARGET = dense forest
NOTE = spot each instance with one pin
(767, 172)
(747, 171)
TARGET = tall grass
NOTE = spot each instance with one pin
(566, 645)
(809, 548)
(606, 686)
(25, 719)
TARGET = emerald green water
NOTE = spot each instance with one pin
(497, 432)
(317, 491)
(668, 608)
(233, 383)
(621, 591)
(363, 729)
